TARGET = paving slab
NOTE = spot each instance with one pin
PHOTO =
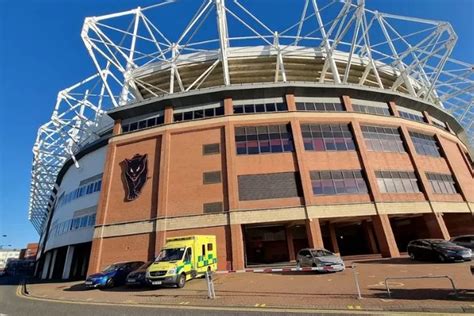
(301, 290)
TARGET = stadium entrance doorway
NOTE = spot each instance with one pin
(273, 243)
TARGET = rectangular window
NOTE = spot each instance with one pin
(442, 183)
(205, 111)
(338, 182)
(397, 182)
(269, 186)
(211, 177)
(381, 109)
(260, 107)
(425, 144)
(142, 124)
(410, 114)
(320, 106)
(214, 207)
(209, 247)
(334, 137)
(252, 140)
(385, 139)
(211, 149)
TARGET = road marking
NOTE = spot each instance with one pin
(350, 307)
(390, 283)
(184, 303)
(329, 280)
(386, 300)
(89, 299)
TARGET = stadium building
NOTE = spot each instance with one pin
(340, 127)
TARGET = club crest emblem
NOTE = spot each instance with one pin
(135, 172)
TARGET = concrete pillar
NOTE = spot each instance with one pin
(347, 103)
(393, 109)
(237, 240)
(290, 102)
(168, 114)
(68, 262)
(117, 127)
(333, 236)
(53, 263)
(47, 262)
(228, 106)
(369, 235)
(385, 237)
(436, 226)
(291, 246)
(313, 231)
(427, 117)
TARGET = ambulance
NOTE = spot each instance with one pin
(182, 259)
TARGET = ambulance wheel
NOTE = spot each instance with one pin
(181, 281)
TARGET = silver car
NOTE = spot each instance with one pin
(320, 260)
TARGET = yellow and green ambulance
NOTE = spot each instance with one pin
(182, 259)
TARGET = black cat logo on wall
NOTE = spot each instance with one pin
(135, 173)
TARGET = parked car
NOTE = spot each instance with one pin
(321, 259)
(464, 241)
(113, 275)
(137, 277)
(437, 249)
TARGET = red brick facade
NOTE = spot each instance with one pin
(171, 202)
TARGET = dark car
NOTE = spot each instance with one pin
(464, 241)
(437, 249)
(137, 277)
(113, 275)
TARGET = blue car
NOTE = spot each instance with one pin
(113, 275)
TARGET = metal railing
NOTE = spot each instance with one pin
(420, 277)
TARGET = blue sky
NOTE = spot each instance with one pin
(41, 52)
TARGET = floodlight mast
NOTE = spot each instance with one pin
(342, 33)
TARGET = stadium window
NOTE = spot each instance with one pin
(411, 115)
(425, 144)
(320, 106)
(397, 182)
(335, 182)
(84, 221)
(442, 183)
(199, 113)
(251, 140)
(260, 108)
(381, 109)
(383, 139)
(334, 137)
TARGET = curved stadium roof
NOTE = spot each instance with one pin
(140, 55)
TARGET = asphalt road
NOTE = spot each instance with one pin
(11, 304)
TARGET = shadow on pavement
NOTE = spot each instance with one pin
(424, 294)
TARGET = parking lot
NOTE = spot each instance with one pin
(301, 289)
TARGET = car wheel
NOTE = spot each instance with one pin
(412, 256)
(110, 283)
(441, 258)
(181, 281)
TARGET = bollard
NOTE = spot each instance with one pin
(356, 279)
(211, 294)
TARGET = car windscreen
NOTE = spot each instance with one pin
(145, 265)
(112, 267)
(321, 253)
(442, 243)
(170, 254)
